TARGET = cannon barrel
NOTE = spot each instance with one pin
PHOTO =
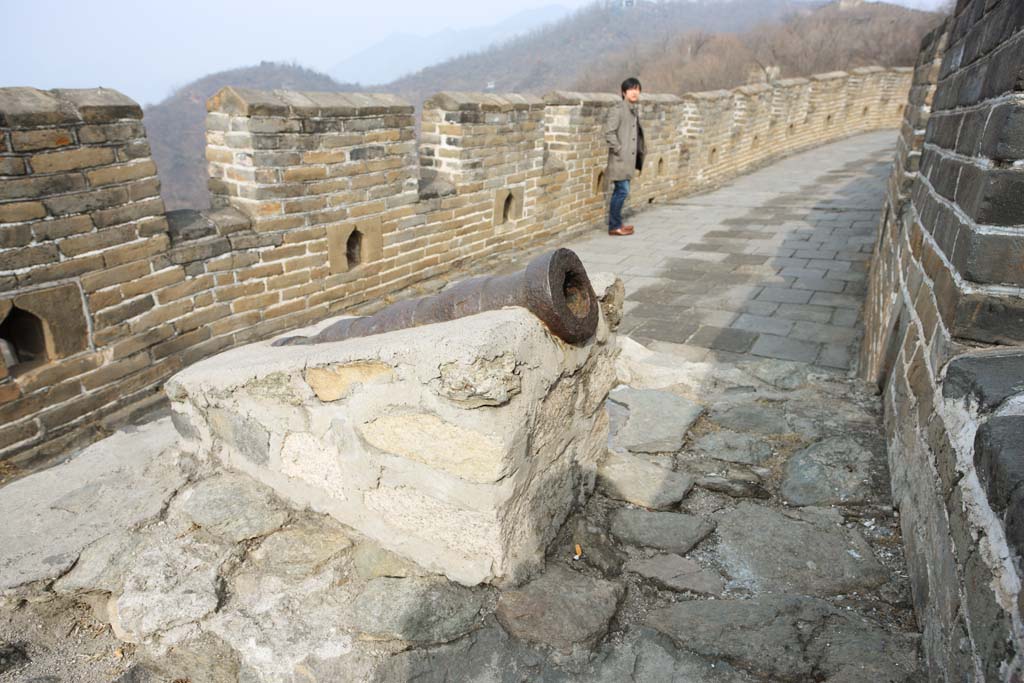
(553, 286)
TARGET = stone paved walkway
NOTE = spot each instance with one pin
(741, 530)
(773, 264)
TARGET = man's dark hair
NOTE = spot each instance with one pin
(629, 84)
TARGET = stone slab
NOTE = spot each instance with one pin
(657, 421)
(120, 482)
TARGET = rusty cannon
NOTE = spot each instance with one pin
(553, 286)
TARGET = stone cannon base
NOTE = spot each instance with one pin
(462, 446)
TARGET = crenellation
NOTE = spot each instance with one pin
(323, 203)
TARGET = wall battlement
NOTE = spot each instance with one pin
(322, 203)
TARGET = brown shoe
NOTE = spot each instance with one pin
(622, 231)
(629, 228)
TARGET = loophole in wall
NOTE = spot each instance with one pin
(354, 249)
(22, 340)
(599, 183)
(661, 165)
(506, 209)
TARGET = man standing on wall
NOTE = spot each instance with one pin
(625, 140)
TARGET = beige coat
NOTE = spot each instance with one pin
(625, 140)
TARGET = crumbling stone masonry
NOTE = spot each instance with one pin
(322, 203)
(461, 445)
(944, 337)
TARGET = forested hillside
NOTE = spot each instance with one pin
(805, 42)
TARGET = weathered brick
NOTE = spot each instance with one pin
(115, 371)
(144, 189)
(251, 303)
(13, 434)
(24, 257)
(1003, 139)
(201, 317)
(151, 283)
(21, 211)
(988, 258)
(61, 227)
(41, 186)
(184, 289)
(70, 160)
(123, 311)
(199, 250)
(33, 403)
(129, 212)
(144, 340)
(15, 236)
(139, 249)
(115, 276)
(121, 173)
(121, 131)
(44, 138)
(181, 342)
(84, 202)
(989, 378)
(60, 271)
(12, 166)
(96, 241)
(999, 458)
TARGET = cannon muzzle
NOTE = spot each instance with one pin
(554, 287)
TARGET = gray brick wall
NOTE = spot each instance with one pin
(945, 339)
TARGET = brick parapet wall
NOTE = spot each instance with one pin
(323, 204)
(945, 338)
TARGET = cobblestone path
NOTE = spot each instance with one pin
(771, 265)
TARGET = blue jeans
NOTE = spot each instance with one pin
(619, 195)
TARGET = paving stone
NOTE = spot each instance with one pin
(785, 348)
(754, 418)
(417, 609)
(168, 586)
(657, 421)
(780, 374)
(562, 609)
(50, 517)
(817, 314)
(647, 655)
(790, 638)
(723, 339)
(756, 323)
(820, 284)
(634, 480)
(826, 334)
(839, 300)
(734, 447)
(678, 574)
(801, 552)
(844, 317)
(785, 296)
(834, 471)
(671, 531)
(835, 356)
(675, 331)
(233, 506)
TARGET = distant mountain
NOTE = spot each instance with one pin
(556, 55)
(177, 126)
(403, 53)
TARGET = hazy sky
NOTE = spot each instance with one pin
(146, 48)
